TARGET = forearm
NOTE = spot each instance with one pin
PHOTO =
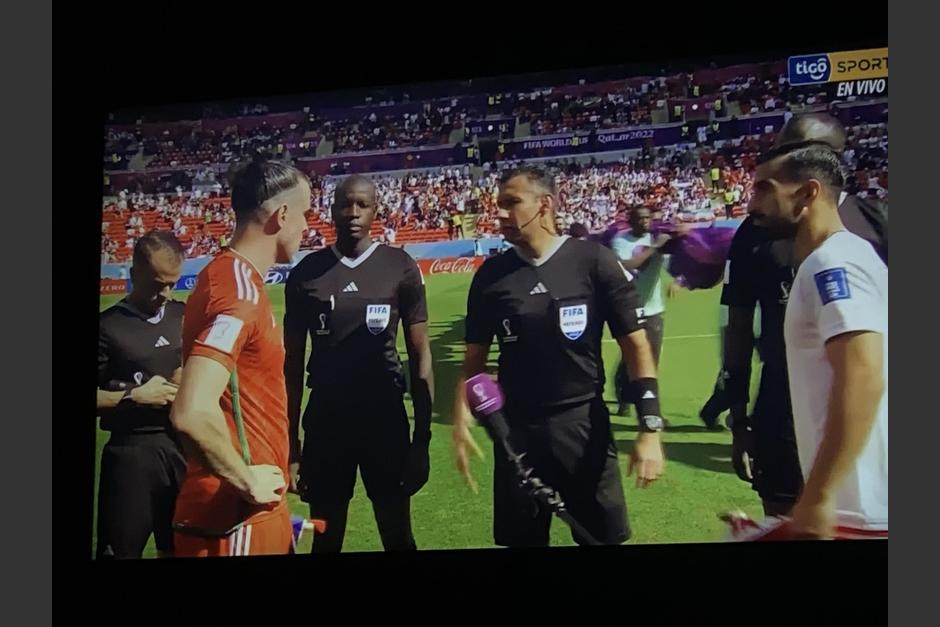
(206, 438)
(852, 411)
(422, 394)
(294, 379)
(738, 352)
(637, 354)
(636, 261)
(473, 365)
(109, 400)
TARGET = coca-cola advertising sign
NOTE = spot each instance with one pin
(450, 265)
(113, 286)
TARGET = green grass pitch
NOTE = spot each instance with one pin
(682, 507)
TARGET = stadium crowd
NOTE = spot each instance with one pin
(678, 183)
(547, 110)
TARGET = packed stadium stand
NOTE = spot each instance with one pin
(170, 174)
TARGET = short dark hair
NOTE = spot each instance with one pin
(813, 161)
(534, 174)
(353, 179)
(820, 127)
(255, 182)
(154, 241)
(578, 230)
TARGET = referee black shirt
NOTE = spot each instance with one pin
(760, 271)
(132, 348)
(351, 309)
(548, 317)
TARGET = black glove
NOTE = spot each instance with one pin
(742, 449)
(417, 468)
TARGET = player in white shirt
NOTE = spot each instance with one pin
(836, 332)
(641, 254)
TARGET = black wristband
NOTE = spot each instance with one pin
(646, 397)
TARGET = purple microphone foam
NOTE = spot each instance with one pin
(483, 394)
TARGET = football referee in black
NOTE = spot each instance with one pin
(546, 302)
(139, 357)
(349, 299)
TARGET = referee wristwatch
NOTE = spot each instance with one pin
(651, 424)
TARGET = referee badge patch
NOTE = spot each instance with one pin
(377, 317)
(573, 321)
(832, 284)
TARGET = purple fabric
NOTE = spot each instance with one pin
(697, 261)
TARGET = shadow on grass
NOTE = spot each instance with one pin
(704, 455)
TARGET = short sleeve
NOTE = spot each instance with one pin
(616, 294)
(479, 328)
(738, 288)
(412, 299)
(847, 298)
(228, 320)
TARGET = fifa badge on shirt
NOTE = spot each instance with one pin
(573, 321)
(832, 284)
(377, 317)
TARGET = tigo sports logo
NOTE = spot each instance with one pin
(834, 67)
(809, 69)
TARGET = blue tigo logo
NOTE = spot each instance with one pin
(832, 284)
(809, 69)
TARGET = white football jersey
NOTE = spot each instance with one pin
(841, 287)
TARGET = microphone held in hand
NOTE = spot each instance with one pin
(486, 402)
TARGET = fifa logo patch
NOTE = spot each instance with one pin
(832, 284)
(573, 321)
(324, 321)
(377, 317)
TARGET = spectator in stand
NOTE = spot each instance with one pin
(578, 231)
(729, 203)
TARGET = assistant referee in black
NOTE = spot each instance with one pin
(546, 302)
(139, 357)
(349, 300)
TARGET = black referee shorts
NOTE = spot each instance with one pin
(138, 483)
(571, 449)
(368, 431)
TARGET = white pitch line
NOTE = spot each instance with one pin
(678, 337)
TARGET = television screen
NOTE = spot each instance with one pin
(470, 314)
